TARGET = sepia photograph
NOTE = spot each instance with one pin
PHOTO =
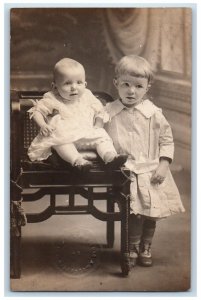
(100, 149)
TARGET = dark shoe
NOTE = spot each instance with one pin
(145, 258)
(117, 162)
(54, 161)
(134, 250)
(85, 167)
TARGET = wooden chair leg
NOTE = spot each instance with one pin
(110, 224)
(125, 210)
(15, 265)
(15, 241)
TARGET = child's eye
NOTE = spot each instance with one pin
(68, 82)
(80, 82)
(126, 84)
(139, 86)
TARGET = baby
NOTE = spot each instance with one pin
(70, 118)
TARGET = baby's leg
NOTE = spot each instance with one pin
(106, 151)
(109, 155)
(68, 152)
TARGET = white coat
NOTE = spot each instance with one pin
(144, 134)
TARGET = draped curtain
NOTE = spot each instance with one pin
(132, 31)
(161, 35)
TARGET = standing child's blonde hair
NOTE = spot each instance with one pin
(134, 65)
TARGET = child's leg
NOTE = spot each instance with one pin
(145, 257)
(68, 152)
(135, 228)
(135, 233)
(149, 227)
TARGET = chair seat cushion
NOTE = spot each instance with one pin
(55, 162)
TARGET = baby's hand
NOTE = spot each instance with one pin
(160, 173)
(46, 130)
(98, 123)
(97, 127)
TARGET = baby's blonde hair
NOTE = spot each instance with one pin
(66, 63)
(134, 65)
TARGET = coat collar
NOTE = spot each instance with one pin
(147, 108)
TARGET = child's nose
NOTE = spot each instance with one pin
(132, 90)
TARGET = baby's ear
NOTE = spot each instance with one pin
(115, 82)
(53, 86)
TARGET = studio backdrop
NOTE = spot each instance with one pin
(98, 37)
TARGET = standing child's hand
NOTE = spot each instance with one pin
(46, 130)
(160, 173)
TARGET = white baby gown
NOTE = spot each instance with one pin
(73, 122)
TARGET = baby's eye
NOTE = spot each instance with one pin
(80, 82)
(68, 82)
(139, 86)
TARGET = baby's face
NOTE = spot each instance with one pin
(131, 89)
(71, 83)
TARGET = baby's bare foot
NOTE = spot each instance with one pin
(82, 164)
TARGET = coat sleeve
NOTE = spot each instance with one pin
(166, 143)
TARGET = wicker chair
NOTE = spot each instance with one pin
(55, 177)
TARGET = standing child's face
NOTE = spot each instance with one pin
(71, 83)
(131, 89)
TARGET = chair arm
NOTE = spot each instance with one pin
(15, 102)
(16, 135)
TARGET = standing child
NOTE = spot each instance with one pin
(70, 118)
(139, 129)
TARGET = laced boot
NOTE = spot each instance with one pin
(145, 258)
(134, 250)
